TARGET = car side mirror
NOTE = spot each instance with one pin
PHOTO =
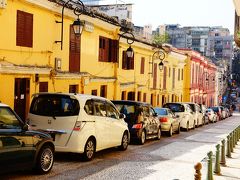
(122, 116)
(25, 127)
(155, 114)
(177, 116)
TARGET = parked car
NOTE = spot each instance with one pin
(21, 148)
(212, 116)
(142, 120)
(218, 111)
(197, 113)
(203, 109)
(223, 112)
(185, 114)
(169, 121)
(79, 123)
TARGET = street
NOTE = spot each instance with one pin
(162, 159)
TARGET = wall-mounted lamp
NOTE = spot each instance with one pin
(158, 55)
(77, 24)
(130, 40)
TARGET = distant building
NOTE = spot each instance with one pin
(121, 11)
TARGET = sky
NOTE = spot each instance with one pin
(183, 12)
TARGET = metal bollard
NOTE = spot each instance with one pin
(209, 173)
(228, 147)
(233, 139)
(223, 159)
(198, 175)
(217, 169)
(236, 137)
(231, 142)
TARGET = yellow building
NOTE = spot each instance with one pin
(32, 61)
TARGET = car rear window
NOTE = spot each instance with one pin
(54, 105)
(129, 110)
(160, 111)
(175, 107)
(215, 109)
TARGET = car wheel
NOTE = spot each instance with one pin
(45, 160)
(179, 129)
(142, 137)
(159, 133)
(170, 132)
(187, 128)
(125, 142)
(89, 149)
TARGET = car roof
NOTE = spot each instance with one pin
(130, 102)
(3, 105)
(82, 96)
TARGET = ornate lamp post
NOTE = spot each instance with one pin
(130, 40)
(77, 24)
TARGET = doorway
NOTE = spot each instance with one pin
(21, 97)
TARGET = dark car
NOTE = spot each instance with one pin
(142, 120)
(21, 148)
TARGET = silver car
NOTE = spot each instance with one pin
(169, 121)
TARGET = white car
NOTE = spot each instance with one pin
(212, 116)
(197, 113)
(79, 123)
(184, 112)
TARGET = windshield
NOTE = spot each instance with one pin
(8, 119)
(175, 107)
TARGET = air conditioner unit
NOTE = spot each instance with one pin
(3, 4)
(58, 63)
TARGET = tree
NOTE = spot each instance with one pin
(159, 39)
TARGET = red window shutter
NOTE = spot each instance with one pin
(101, 49)
(24, 31)
(155, 76)
(74, 52)
(124, 60)
(106, 50)
(113, 53)
(165, 77)
(131, 62)
(142, 65)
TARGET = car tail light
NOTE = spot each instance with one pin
(209, 113)
(163, 119)
(137, 126)
(79, 125)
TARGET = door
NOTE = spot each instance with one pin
(103, 126)
(116, 129)
(21, 97)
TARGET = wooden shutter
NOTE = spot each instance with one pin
(74, 52)
(142, 65)
(131, 60)
(113, 50)
(24, 31)
(155, 76)
(164, 77)
(124, 60)
(101, 49)
(144, 97)
(43, 87)
(173, 79)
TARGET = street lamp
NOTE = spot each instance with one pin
(158, 55)
(130, 41)
(77, 24)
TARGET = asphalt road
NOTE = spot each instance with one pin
(169, 158)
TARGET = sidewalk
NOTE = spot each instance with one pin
(179, 162)
(232, 169)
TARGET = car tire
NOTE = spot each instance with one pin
(159, 134)
(45, 159)
(89, 149)
(179, 129)
(142, 137)
(170, 132)
(125, 141)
